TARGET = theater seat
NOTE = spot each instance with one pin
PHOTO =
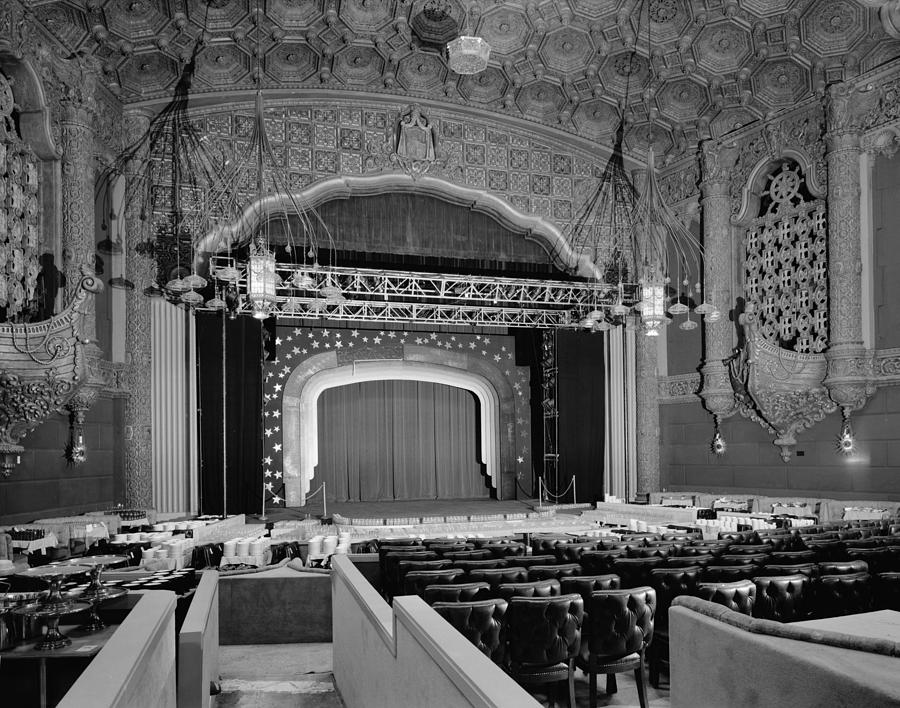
(783, 598)
(497, 576)
(458, 592)
(810, 570)
(887, 591)
(470, 565)
(528, 561)
(599, 562)
(543, 639)
(541, 572)
(792, 557)
(534, 588)
(668, 583)
(571, 552)
(843, 567)
(479, 621)
(729, 573)
(584, 585)
(635, 572)
(838, 595)
(618, 629)
(738, 596)
(688, 561)
(417, 580)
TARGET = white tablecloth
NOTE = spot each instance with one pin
(39, 544)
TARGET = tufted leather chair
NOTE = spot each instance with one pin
(528, 561)
(599, 562)
(792, 557)
(416, 581)
(879, 560)
(843, 567)
(668, 583)
(430, 543)
(464, 554)
(640, 537)
(749, 549)
(828, 550)
(618, 629)
(468, 565)
(738, 596)
(584, 585)
(496, 541)
(783, 598)
(497, 576)
(838, 595)
(650, 552)
(711, 548)
(458, 592)
(688, 561)
(543, 544)
(687, 536)
(739, 537)
(505, 550)
(399, 543)
(543, 637)
(389, 563)
(887, 591)
(699, 551)
(479, 621)
(404, 567)
(852, 543)
(729, 573)
(571, 552)
(541, 572)
(635, 572)
(741, 559)
(443, 549)
(810, 570)
(534, 588)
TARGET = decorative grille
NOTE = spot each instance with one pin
(19, 240)
(786, 263)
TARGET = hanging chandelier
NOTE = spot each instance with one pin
(468, 54)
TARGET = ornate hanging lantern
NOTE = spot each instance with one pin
(262, 281)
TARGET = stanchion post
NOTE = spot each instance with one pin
(262, 517)
(574, 491)
(540, 493)
(324, 502)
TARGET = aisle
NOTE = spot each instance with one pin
(277, 676)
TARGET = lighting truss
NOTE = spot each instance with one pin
(338, 293)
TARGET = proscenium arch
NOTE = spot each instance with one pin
(535, 228)
(300, 413)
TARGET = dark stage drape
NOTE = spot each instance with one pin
(243, 393)
(581, 388)
(385, 440)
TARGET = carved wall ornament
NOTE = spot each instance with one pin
(19, 215)
(411, 147)
(44, 367)
(779, 389)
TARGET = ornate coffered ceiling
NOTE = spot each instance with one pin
(712, 66)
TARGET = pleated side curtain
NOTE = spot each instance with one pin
(386, 440)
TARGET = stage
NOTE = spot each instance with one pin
(380, 519)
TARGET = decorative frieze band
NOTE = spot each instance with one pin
(684, 388)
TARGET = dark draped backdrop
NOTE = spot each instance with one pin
(581, 390)
(389, 439)
(243, 393)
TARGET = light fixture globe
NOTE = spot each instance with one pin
(261, 282)
(468, 55)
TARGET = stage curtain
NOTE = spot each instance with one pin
(243, 392)
(581, 400)
(386, 440)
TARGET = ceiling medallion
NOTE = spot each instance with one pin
(468, 54)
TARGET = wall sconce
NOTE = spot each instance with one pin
(76, 452)
(846, 443)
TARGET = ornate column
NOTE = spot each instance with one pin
(647, 403)
(717, 163)
(646, 394)
(78, 227)
(141, 270)
(849, 367)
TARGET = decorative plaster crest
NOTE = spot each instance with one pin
(409, 146)
(44, 367)
(779, 389)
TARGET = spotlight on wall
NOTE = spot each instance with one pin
(846, 444)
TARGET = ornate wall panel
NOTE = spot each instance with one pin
(786, 264)
(19, 223)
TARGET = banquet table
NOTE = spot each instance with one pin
(37, 544)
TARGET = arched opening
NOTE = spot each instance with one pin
(305, 385)
(408, 439)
